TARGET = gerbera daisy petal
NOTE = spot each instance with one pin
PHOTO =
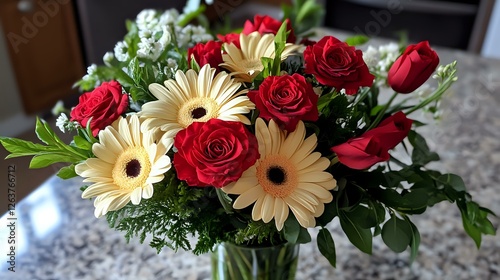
(302, 201)
(135, 196)
(281, 213)
(316, 190)
(102, 153)
(244, 63)
(257, 209)
(123, 170)
(248, 197)
(308, 161)
(315, 177)
(97, 189)
(241, 186)
(279, 186)
(267, 208)
(303, 215)
(293, 141)
(195, 97)
(307, 147)
(320, 164)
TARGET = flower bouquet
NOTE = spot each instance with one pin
(246, 140)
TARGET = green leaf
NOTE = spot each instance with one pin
(363, 217)
(291, 229)
(359, 237)
(357, 40)
(452, 180)
(225, 200)
(304, 236)
(471, 230)
(20, 148)
(329, 213)
(67, 172)
(82, 143)
(326, 246)
(415, 240)
(397, 234)
(44, 160)
(43, 132)
(194, 64)
(421, 154)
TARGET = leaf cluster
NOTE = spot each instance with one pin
(53, 150)
(365, 199)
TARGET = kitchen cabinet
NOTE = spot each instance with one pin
(44, 49)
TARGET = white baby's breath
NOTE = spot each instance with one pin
(149, 48)
(108, 57)
(371, 57)
(121, 51)
(192, 34)
(62, 121)
(147, 20)
(169, 17)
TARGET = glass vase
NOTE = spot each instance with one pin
(234, 262)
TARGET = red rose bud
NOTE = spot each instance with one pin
(267, 24)
(104, 105)
(286, 99)
(334, 63)
(208, 53)
(413, 68)
(374, 145)
(214, 153)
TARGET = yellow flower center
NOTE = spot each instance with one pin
(132, 168)
(277, 176)
(199, 109)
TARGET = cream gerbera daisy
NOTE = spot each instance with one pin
(127, 164)
(193, 97)
(288, 175)
(244, 63)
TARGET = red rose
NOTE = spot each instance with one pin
(214, 153)
(374, 145)
(413, 68)
(336, 64)
(230, 38)
(267, 24)
(286, 99)
(104, 105)
(208, 53)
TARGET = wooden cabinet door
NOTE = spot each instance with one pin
(44, 49)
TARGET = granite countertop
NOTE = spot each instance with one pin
(58, 236)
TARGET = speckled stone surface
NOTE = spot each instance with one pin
(59, 238)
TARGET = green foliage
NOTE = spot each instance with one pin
(359, 236)
(258, 233)
(53, 151)
(397, 234)
(175, 212)
(304, 15)
(272, 67)
(326, 246)
(357, 40)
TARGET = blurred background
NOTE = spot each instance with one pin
(46, 45)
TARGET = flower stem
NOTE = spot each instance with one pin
(382, 112)
(443, 87)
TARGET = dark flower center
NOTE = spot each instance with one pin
(198, 113)
(133, 168)
(276, 174)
